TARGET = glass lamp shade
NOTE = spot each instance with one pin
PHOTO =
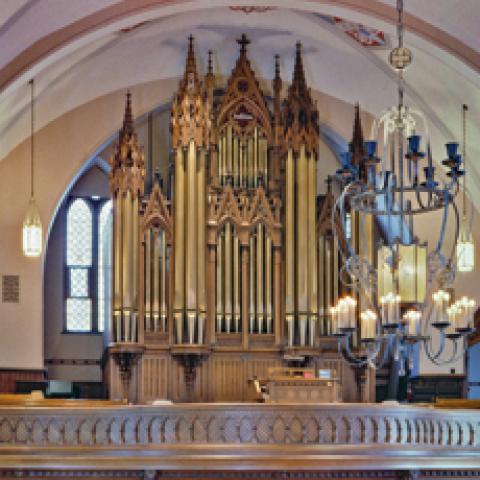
(465, 250)
(411, 271)
(32, 231)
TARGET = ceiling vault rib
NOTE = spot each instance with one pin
(109, 15)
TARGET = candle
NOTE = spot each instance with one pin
(334, 317)
(383, 302)
(412, 322)
(368, 324)
(397, 300)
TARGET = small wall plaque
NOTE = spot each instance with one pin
(10, 288)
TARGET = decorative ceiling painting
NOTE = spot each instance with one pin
(365, 36)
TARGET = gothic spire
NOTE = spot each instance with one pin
(298, 82)
(191, 64)
(356, 144)
(127, 127)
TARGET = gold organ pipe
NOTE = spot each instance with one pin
(201, 239)
(179, 239)
(156, 280)
(236, 168)
(135, 247)
(312, 246)
(252, 284)
(228, 277)
(255, 157)
(191, 233)
(268, 282)
(245, 165)
(148, 273)
(264, 159)
(236, 282)
(127, 249)
(163, 282)
(229, 151)
(289, 236)
(224, 157)
(117, 282)
(241, 162)
(321, 285)
(127, 266)
(302, 231)
(328, 279)
(219, 283)
(336, 282)
(260, 271)
(250, 163)
(220, 162)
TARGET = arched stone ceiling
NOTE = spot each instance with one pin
(81, 50)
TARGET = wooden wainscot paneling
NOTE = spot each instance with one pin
(9, 377)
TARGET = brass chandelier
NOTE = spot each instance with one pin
(400, 296)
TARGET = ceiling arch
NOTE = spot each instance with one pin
(110, 45)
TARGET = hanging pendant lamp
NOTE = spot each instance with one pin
(465, 244)
(32, 224)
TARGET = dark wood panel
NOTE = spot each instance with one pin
(9, 377)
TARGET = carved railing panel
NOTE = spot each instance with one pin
(220, 424)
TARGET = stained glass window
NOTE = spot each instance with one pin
(79, 263)
(88, 264)
(79, 234)
(79, 315)
(104, 264)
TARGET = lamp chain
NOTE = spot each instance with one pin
(464, 153)
(32, 133)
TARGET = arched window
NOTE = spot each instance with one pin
(104, 264)
(87, 264)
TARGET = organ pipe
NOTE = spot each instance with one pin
(201, 244)
(252, 284)
(179, 274)
(321, 286)
(236, 282)
(191, 237)
(163, 308)
(260, 272)
(228, 277)
(289, 237)
(147, 270)
(156, 281)
(268, 283)
(219, 284)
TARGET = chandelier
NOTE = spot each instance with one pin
(400, 295)
(32, 223)
(465, 245)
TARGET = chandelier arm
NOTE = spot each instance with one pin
(356, 360)
(441, 236)
(457, 232)
(427, 345)
(453, 358)
(385, 356)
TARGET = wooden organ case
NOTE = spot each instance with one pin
(235, 269)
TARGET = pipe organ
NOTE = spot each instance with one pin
(232, 267)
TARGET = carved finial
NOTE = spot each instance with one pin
(298, 72)
(357, 138)
(127, 127)
(210, 63)
(243, 41)
(191, 64)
